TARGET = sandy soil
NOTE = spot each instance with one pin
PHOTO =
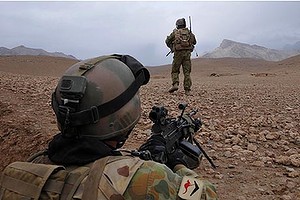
(250, 111)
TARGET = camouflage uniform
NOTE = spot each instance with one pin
(156, 181)
(182, 57)
(131, 178)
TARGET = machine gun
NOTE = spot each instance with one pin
(178, 132)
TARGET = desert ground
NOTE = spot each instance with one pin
(250, 110)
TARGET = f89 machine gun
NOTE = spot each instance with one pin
(177, 132)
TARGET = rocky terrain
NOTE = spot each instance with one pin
(250, 111)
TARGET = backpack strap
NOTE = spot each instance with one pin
(73, 181)
(101, 183)
(91, 186)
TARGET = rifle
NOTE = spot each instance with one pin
(177, 132)
(190, 24)
(168, 53)
(190, 21)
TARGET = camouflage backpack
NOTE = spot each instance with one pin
(26, 181)
(182, 39)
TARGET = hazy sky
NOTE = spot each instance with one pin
(139, 28)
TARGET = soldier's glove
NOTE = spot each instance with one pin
(187, 154)
(156, 146)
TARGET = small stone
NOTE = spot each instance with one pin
(231, 166)
(219, 176)
(285, 197)
(236, 148)
(293, 174)
(251, 147)
(228, 154)
(272, 136)
(295, 160)
(258, 164)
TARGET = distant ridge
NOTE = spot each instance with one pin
(293, 47)
(229, 48)
(22, 50)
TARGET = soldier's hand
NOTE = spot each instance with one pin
(187, 154)
(156, 146)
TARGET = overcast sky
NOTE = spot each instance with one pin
(90, 29)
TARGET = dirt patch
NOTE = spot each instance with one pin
(35, 65)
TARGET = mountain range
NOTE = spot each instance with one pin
(229, 48)
(22, 50)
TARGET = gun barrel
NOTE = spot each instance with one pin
(190, 23)
(193, 112)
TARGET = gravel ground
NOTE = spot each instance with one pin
(249, 110)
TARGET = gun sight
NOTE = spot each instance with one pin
(182, 106)
(158, 113)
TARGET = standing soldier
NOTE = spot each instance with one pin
(181, 41)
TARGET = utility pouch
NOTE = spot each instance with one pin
(24, 180)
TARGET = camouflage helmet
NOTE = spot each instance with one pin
(180, 23)
(99, 97)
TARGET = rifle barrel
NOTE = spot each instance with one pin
(190, 23)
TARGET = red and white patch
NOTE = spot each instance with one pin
(190, 188)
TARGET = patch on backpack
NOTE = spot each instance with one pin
(190, 188)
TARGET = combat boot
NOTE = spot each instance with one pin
(174, 88)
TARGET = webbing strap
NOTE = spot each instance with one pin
(1, 188)
(1, 192)
(73, 181)
(108, 191)
(83, 68)
(21, 187)
(54, 186)
(91, 186)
